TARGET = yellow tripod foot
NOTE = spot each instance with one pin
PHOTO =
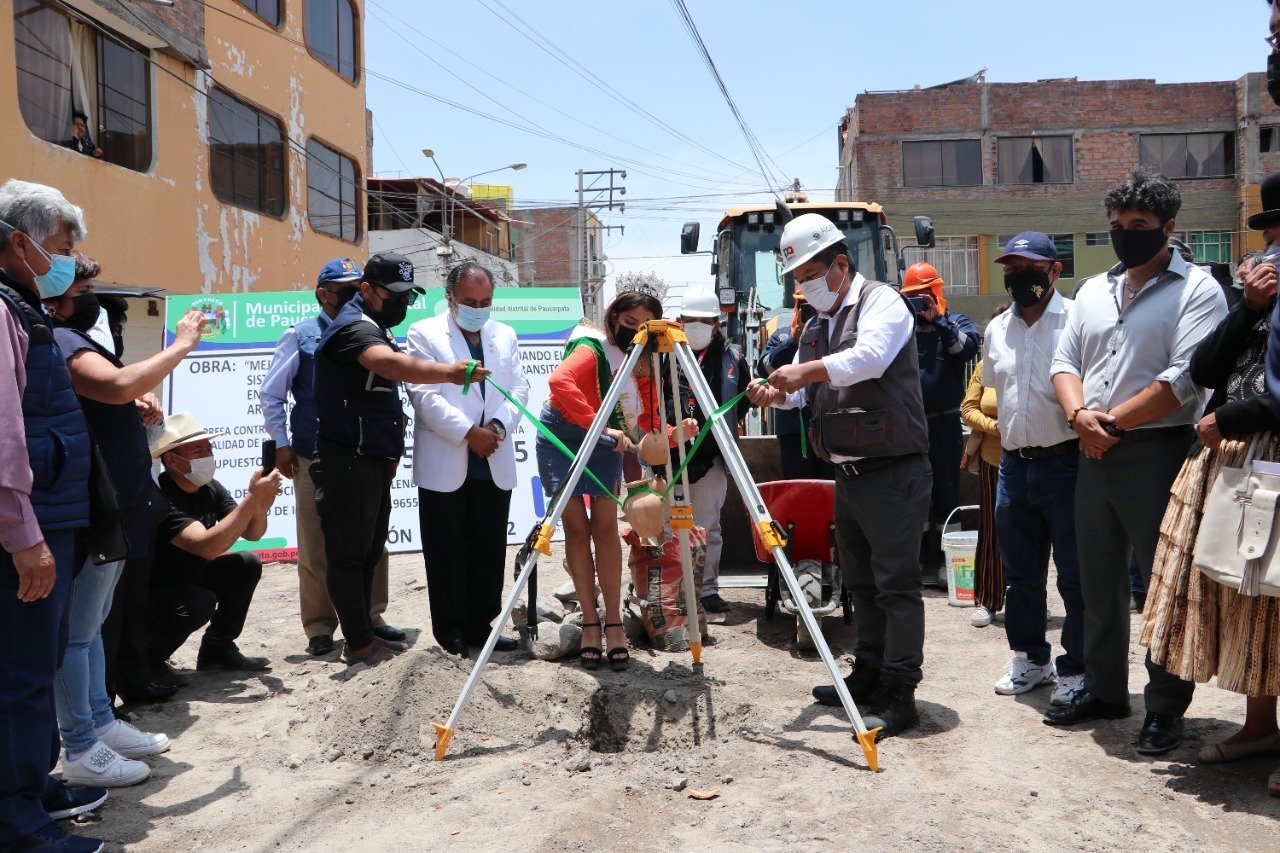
(867, 740)
(444, 734)
(696, 650)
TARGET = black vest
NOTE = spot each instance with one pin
(358, 412)
(876, 418)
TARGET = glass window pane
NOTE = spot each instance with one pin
(1164, 152)
(1013, 160)
(247, 163)
(1066, 246)
(329, 26)
(965, 159)
(1056, 160)
(922, 164)
(267, 10)
(332, 192)
(124, 105)
(42, 52)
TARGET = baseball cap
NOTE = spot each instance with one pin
(1031, 245)
(392, 270)
(337, 271)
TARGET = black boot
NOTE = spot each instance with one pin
(225, 655)
(862, 683)
(893, 710)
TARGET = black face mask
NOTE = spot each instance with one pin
(84, 313)
(1027, 287)
(1136, 247)
(343, 296)
(391, 314)
(1273, 76)
(623, 337)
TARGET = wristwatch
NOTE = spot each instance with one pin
(496, 426)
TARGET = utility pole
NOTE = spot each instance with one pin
(594, 195)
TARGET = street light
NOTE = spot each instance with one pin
(452, 198)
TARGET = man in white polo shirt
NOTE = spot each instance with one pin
(1035, 493)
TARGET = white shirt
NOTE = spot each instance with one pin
(1016, 361)
(1118, 353)
(885, 326)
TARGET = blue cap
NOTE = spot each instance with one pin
(1031, 245)
(339, 270)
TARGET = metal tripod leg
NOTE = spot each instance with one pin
(681, 510)
(772, 537)
(542, 543)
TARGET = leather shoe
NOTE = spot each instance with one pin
(504, 644)
(1160, 734)
(390, 633)
(862, 683)
(228, 657)
(455, 646)
(1086, 707)
(140, 693)
(163, 673)
(892, 710)
(322, 644)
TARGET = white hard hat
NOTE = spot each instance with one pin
(805, 236)
(700, 302)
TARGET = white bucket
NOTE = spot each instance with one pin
(961, 552)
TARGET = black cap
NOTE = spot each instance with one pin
(392, 270)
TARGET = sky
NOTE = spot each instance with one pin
(564, 85)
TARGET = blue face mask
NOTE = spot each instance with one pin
(59, 278)
(472, 319)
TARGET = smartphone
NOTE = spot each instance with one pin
(268, 457)
(917, 303)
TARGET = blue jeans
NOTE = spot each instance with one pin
(32, 638)
(1035, 512)
(80, 690)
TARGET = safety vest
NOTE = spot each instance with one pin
(302, 415)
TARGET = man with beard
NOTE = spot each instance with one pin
(360, 439)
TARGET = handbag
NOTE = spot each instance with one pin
(104, 538)
(1237, 541)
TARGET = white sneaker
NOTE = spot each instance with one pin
(1068, 687)
(126, 740)
(103, 767)
(980, 618)
(1023, 675)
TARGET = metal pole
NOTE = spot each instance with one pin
(445, 732)
(764, 522)
(680, 498)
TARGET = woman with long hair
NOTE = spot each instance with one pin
(577, 388)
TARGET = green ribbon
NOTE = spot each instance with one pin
(702, 436)
(546, 433)
(804, 436)
(466, 380)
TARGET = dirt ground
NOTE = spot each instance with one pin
(550, 757)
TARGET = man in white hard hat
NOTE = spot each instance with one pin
(858, 371)
(725, 371)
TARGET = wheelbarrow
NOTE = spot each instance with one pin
(806, 511)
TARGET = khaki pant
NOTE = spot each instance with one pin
(318, 616)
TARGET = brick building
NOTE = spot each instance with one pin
(987, 160)
(551, 247)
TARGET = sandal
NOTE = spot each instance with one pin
(590, 655)
(619, 657)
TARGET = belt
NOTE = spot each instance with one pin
(1144, 434)
(867, 466)
(1069, 446)
(932, 415)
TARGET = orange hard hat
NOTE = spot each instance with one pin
(921, 276)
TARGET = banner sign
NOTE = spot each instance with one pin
(219, 382)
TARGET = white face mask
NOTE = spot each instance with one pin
(202, 471)
(699, 335)
(816, 292)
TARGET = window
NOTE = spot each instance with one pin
(246, 147)
(1269, 140)
(1189, 155)
(1209, 247)
(1098, 238)
(1035, 160)
(1066, 246)
(267, 10)
(66, 66)
(333, 191)
(331, 34)
(942, 163)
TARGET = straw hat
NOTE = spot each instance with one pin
(179, 429)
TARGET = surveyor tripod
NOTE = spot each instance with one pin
(656, 338)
